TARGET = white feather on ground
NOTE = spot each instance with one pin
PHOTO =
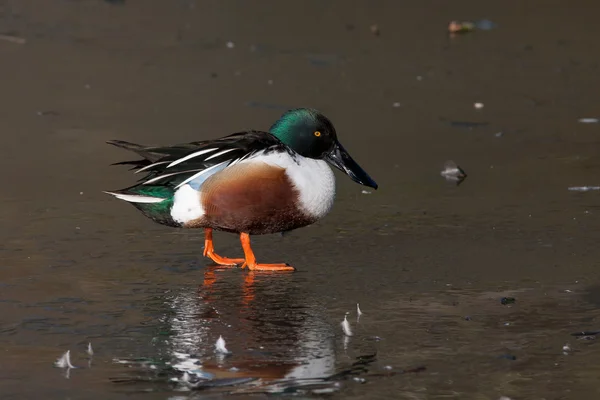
(64, 361)
(220, 346)
(346, 327)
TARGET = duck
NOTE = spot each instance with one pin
(248, 183)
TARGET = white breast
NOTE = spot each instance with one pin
(313, 179)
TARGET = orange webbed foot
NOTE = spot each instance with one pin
(269, 267)
(251, 263)
(209, 251)
(223, 260)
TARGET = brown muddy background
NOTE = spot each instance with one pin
(420, 254)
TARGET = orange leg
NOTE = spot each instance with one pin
(251, 260)
(209, 251)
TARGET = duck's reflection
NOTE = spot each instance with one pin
(272, 327)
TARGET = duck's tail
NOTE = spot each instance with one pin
(148, 156)
(155, 202)
(135, 198)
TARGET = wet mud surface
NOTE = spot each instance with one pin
(428, 261)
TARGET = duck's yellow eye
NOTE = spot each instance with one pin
(317, 133)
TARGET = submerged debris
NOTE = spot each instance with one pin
(346, 326)
(89, 350)
(508, 357)
(453, 173)
(455, 27)
(64, 361)
(585, 333)
(590, 337)
(220, 346)
(460, 27)
(508, 300)
(566, 349)
(13, 39)
(375, 30)
(358, 312)
(583, 188)
(589, 120)
(485, 24)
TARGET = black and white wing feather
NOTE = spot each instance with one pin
(193, 162)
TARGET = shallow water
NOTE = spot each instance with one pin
(427, 260)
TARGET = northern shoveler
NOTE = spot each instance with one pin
(250, 183)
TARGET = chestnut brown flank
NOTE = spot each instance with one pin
(256, 198)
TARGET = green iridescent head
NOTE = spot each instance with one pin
(311, 134)
(306, 131)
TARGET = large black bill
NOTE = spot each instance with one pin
(340, 159)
